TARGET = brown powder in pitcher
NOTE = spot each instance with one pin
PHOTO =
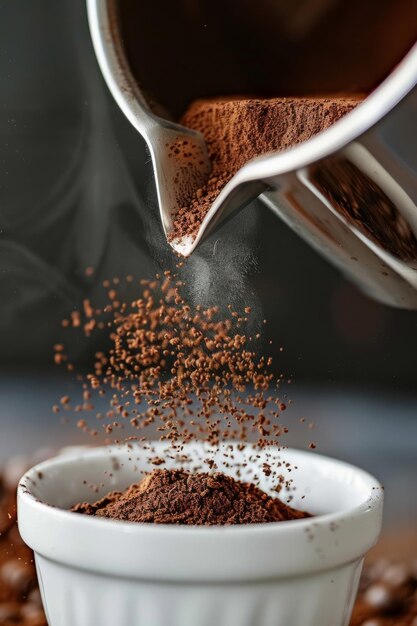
(177, 496)
(240, 129)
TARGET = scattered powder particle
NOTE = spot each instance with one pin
(182, 372)
(75, 319)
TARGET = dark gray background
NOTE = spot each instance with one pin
(76, 190)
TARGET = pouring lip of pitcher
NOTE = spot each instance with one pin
(396, 86)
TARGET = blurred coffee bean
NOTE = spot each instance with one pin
(6, 521)
(376, 569)
(378, 596)
(32, 612)
(396, 575)
(18, 576)
(387, 595)
(7, 507)
(9, 612)
(14, 537)
(413, 569)
(35, 597)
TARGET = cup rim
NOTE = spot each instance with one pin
(168, 552)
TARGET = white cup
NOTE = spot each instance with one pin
(94, 571)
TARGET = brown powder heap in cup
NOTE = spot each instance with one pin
(180, 497)
(239, 130)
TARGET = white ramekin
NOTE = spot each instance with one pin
(98, 571)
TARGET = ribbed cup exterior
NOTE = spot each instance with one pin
(74, 597)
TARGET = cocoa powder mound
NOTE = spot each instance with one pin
(180, 497)
(239, 130)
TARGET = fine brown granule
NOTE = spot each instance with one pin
(180, 372)
(180, 497)
(240, 129)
